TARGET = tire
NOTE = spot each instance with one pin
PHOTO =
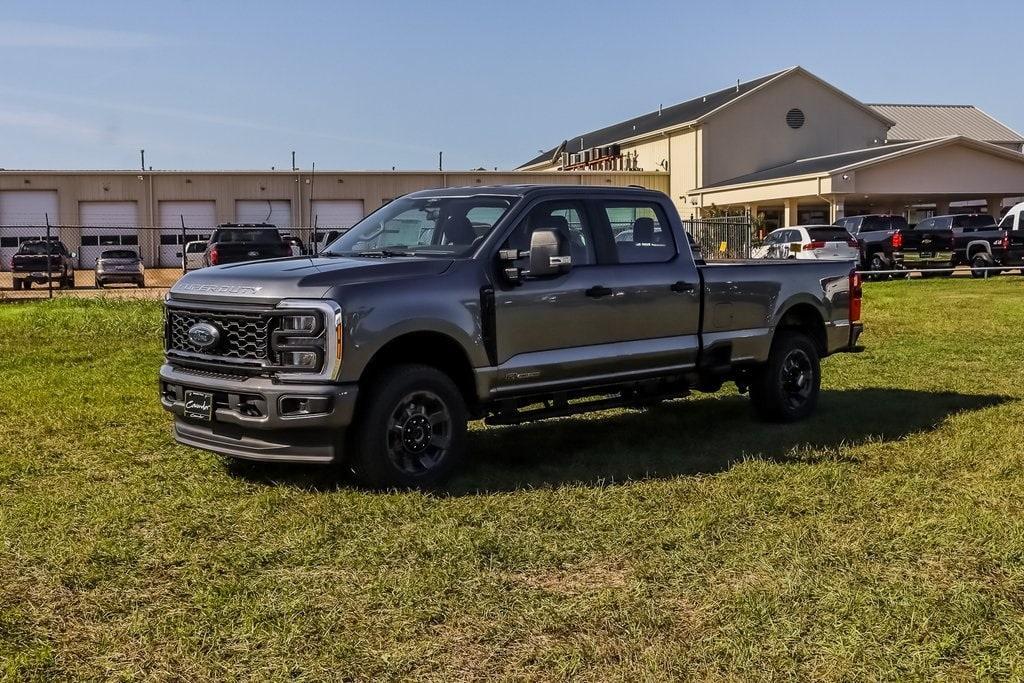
(878, 262)
(786, 387)
(71, 281)
(140, 283)
(100, 284)
(17, 284)
(26, 284)
(395, 441)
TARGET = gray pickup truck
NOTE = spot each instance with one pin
(505, 304)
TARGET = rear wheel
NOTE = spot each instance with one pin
(877, 263)
(410, 430)
(17, 284)
(982, 260)
(786, 387)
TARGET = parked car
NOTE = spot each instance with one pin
(40, 262)
(120, 265)
(192, 256)
(808, 242)
(931, 243)
(237, 242)
(992, 246)
(879, 239)
(296, 245)
(377, 352)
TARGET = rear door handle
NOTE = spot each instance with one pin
(681, 286)
(597, 291)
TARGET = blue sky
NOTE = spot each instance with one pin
(371, 85)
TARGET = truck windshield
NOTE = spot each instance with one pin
(246, 235)
(424, 226)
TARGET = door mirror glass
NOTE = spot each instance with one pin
(549, 254)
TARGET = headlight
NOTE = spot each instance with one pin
(306, 341)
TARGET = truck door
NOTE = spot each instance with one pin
(627, 306)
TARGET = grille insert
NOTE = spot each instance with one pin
(243, 336)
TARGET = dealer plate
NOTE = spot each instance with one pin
(199, 405)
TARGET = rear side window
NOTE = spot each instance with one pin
(642, 234)
(873, 223)
(828, 234)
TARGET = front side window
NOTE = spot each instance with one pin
(567, 217)
(424, 226)
(641, 233)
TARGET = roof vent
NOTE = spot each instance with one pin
(795, 118)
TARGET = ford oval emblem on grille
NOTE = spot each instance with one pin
(204, 336)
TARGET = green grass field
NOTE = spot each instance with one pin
(882, 539)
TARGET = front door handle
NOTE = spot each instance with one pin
(681, 286)
(597, 291)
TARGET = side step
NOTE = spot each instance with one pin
(560, 407)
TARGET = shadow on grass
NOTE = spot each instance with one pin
(695, 436)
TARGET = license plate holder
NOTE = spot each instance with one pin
(199, 405)
(927, 254)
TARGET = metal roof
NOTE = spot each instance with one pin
(684, 112)
(822, 164)
(927, 121)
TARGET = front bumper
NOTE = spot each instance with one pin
(255, 417)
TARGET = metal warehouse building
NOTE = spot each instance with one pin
(146, 211)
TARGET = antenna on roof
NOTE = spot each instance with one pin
(659, 110)
(737, 85)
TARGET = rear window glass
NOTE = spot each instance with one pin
(40, 248)
(119, 253)
(247, 235)
(975, 221)
(828, 234)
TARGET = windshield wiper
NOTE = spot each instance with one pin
(382, 253)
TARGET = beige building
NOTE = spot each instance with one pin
(153, 212)
(800, 150)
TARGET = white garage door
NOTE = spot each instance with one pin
(276, 212)
(335, 216)
(107, 225)
(23, 216)
(200, 218)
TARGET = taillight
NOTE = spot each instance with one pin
(1004, 243)
(852, 243)
(214, 256)
(897, 240)
(856, 295)
(816, 244)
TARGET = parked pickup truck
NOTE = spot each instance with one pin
(879, 239)
(238, 242)
(507, 304)
(992, 246)
(29, 265)
(932, 242)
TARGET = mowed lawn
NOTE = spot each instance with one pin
(882, 539)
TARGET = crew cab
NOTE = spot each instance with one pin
(988, 246)
(238, 242)
(504, 304)
(42, 261)
(879, 239)
(930, 245)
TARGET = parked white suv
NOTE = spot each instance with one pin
(823, 242)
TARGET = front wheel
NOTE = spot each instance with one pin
(410, 430)
(786, 387)
(982, 260)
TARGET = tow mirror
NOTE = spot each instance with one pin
(549, 254)
(178, 254)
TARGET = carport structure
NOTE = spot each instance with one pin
(898, 178)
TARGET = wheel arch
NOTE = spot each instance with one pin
(434, 349)
(804, 317)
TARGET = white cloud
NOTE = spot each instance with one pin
(53, 124)
(39, 34)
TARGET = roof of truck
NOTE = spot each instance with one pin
(525, 189)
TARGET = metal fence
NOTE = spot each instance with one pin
(729, 237)
(163, 254)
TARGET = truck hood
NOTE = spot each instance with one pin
(308, 277)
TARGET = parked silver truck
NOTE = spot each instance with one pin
(505, 304)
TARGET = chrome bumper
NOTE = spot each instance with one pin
(258, 419)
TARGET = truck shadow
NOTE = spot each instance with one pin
(694, 436)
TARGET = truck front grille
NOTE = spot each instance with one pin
(244, 336)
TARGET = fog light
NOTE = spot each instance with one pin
(299, 359)
(298, 323)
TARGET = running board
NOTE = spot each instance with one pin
(562, 408)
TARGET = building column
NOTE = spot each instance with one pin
(789, 212)
(837, 210)
(941, 207)
(995, 205)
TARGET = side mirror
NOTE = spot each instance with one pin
(549, 254)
